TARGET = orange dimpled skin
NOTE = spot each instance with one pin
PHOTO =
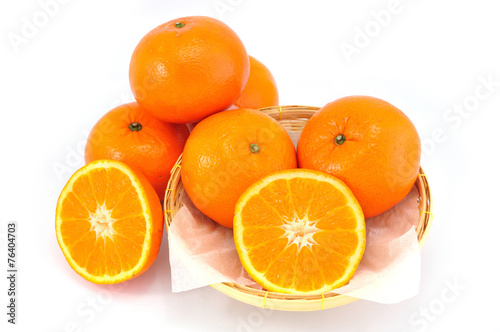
(369, 144)
(129, 134)
(188, 68)
(229, 151)
(261, 90)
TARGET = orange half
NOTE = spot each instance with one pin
(299, 231)
(109, 222)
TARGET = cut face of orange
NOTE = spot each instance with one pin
(299, 231)
(109, 222)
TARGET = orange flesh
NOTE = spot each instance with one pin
(300, 235)
(103, 226)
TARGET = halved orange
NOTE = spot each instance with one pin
(299, 231)
(109, 222)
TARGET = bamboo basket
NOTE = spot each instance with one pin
(292, 118)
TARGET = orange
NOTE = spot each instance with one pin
(299, 232)
(369, 144)
(188, 68)
(226, 153)
(261, 90)
(127, 133)
(109, 222)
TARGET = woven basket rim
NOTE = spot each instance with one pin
(279, 301)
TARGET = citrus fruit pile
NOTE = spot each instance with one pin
(298, 216)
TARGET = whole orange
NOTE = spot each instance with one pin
(188, 68)
(261, 89)
(129, 134)
(229, 151)
(369, 144)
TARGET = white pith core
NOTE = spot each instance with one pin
(102, 223)
(300, 232)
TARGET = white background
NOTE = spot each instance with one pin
(429, 59)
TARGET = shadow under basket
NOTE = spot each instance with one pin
(293, 119)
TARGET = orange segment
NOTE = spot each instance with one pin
(277, 194)
(307, 272)
(117, 187)
(260, 213)
(131, 205)
(342, 242)
(302, 193)
(73, 230)
(109, 222)
(113, 261)
(278, 272)
(256, 235)
(327, 195)
(265, 253)
(128, 251)
(99, 180)
(299, 231)
(81, 250)
(331, 264)
(134, 226)
(96, 261)
(340, 218)
(83, 191)
(72, 208)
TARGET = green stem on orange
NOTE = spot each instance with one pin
(254, 148)
(135, 126)
(340, 139)
(179, 25)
